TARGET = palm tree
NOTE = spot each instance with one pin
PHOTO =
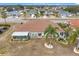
(72, 37)
(50, 33)
(4, 15)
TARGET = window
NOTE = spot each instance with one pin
(61, 33)
(39, 34)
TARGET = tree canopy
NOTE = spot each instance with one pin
(3, 14)
(72, 9)
(50, 31)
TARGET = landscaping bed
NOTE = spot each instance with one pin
(64, 42)
(4, 27)
(7, 25)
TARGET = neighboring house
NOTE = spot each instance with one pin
(13, 13)
(48, 13)
(33, 16)
(32, 13)
(64, 14)
(35, 29)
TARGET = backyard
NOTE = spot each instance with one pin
(34, 47)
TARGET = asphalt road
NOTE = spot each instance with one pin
(20, 19)
(12, 19)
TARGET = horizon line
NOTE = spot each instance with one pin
(4, 4)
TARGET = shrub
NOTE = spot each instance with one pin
(6, 25)
(72, 38)
(62, 25)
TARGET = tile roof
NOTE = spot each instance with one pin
(36, 26)
(74, 23)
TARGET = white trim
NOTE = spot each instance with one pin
(20, 34)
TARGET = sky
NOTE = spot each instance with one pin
(39, 1)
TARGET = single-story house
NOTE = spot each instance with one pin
(32, 13)
(13, 13)
(35, 29)
(48, 12)
(64, 14)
